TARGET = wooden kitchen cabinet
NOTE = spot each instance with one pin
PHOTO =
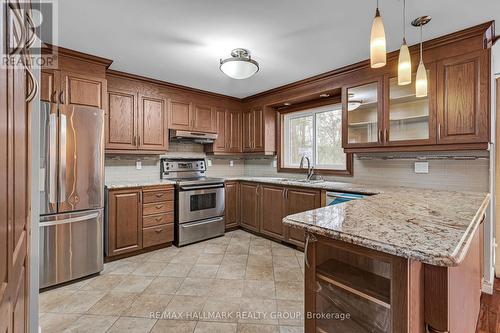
(152, 134)
(121, 126)
(463, 98)
(298, 201)
(232, 204)
(229, 127)
(124, 221)
(138, 219)
(188, 116)
(272, 210)
(136, 120)
(180, 116)
(204, 118)
(259, 130)
(249, 205)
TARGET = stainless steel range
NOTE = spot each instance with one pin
(199, 200)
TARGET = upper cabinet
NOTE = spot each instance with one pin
(259, 128)
(228, 127)
(363, 113)
(136, 121)
(188, 116)
(463, 98)
(380, 115)
(69, 88)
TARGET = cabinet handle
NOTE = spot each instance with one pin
(158, 230)
(159, 206)
(34, 86)
(284, 194)
(139, 141)
(158, 219)
(53, 97)
(61, 97)
(135, 140)
(159, 195)
(439, 131)
(386, 137)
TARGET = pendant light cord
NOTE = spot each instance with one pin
(421, 41)
(404, 21)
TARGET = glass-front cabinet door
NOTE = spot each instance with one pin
(362, 109)
(409, 120)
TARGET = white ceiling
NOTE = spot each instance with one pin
(181, 41)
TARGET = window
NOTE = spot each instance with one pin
(316, 133)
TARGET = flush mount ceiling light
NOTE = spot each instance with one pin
(421, 80)
(377, 42)
(352, 104)
(240, 66)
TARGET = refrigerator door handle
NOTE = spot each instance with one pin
(52, 158)
(62, 159)
(70, 220)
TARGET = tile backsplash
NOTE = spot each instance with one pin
(461, 171)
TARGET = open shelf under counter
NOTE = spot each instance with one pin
(365, 284)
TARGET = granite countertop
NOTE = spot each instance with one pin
(431, 226)
(322, 185)
(136, 183)
(434, 227)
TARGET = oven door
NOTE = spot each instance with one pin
(199, 202)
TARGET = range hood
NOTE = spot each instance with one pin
(198, 137)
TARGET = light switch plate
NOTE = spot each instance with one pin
(421, 167)
(275, 164)
(138, 165)
(231, 163)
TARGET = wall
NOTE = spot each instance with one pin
(460, 171)
(123, 167)
(469, 173)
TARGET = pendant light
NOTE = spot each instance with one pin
(421, 80)
(377, 42)
(404, 63)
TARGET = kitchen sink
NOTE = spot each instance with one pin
(311, 181)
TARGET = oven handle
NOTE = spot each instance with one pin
(200, 187)
(195, 224)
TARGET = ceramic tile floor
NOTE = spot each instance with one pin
(236, 283)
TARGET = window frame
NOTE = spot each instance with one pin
(303, 108)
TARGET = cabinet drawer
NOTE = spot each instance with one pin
(157, 196)
(157, 208)
(157, 235)
(152, 220)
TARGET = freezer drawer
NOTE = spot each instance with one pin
(71, 246)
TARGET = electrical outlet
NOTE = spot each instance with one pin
(275, 164)
(209, 163)
(138, 165)
(231, 163)
(421, 167)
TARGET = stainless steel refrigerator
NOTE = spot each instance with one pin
(71, 192)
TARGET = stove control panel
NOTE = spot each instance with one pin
(182, 168)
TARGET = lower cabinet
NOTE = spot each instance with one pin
(298, 201)
(249, 205)
(124, 221)
(272, 211)
(262, 207)
(232, 204)
(139, 218)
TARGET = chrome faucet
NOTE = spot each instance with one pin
(310, 169)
